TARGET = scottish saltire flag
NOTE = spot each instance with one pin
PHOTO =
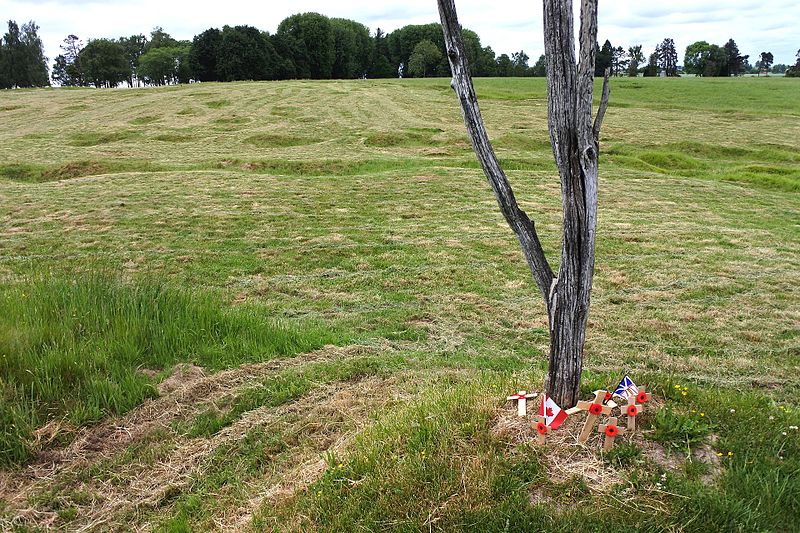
(626, 389)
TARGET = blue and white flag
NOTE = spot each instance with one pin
(626, 389)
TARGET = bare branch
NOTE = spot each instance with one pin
(585, 85)
(559, 47)
(601, 111)
(517, 219)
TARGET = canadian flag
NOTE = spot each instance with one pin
(552, 413)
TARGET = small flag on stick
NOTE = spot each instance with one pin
(626, 389)
(553, 415)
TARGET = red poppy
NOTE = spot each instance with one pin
(608, 397)
(595, 408)
(612, 431)
(541, 428)
(641, 397)
(632, 410)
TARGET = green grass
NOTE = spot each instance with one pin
(72, 349)
(245, 222)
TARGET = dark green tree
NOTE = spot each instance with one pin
(403, 41)
(36, 74)
(519, 61)
(635, 58)
(380, 66)
(203, 55)
(734, 62)
(104, 63)
(59, 71)
(652, 65)
(160, 39)
(424, 59)
(67, 69)
(22, 60)
(794, 71)
(619, 61)
(287, 48)
(245, 54)
(704, 59)
(12, 58)
(314, 40)
(158, 66)
(486, 63)
(539, 69)
(473, 48)
(667, 57)
(353, 49)
(604, 57)
(5, 83)
(134, 47)
(766, 62)
(505, 67)
(166, 65)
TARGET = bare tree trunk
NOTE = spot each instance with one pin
(575, 141)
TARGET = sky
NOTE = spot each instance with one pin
(505, 25)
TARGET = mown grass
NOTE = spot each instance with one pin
(73, 349)
(249, 221)
(286, 386)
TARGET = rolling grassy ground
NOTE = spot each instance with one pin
(323, 268)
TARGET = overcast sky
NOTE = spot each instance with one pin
(505, 25)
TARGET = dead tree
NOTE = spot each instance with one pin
(575, 140)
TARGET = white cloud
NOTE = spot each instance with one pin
(506, 25)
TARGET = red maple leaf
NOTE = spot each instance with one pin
(549, 412)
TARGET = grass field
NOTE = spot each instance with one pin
(295, 306)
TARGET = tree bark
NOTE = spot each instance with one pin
(575, 141)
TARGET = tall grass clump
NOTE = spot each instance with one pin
(72, 350)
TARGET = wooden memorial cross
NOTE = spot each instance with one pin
(612, 431)
(522, 404)
(635, 408)
(542, 429)
(632, 410)
(595, 409)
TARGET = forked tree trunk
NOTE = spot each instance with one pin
(575, 141)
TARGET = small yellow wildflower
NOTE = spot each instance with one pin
(340, 465)
(702, 414)
(719, 454)
(730, 454)
(683, 393)
(677, 386)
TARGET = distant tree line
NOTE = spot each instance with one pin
(313, 46)
(305, 46)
